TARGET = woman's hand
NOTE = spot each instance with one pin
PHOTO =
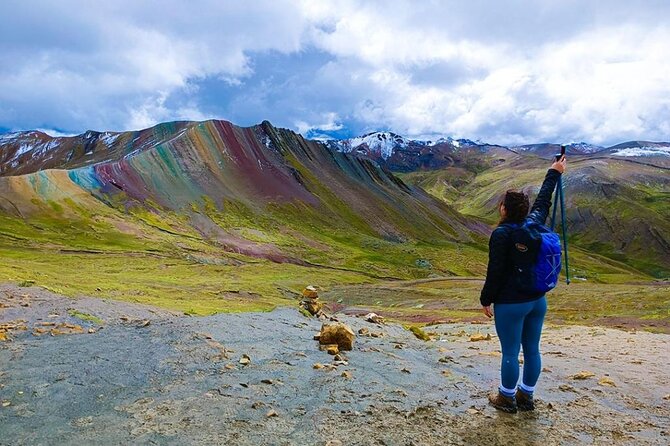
(487, 311)
(559, 165)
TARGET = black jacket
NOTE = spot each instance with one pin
(498, 288)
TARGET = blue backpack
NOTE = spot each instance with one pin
(537, 258)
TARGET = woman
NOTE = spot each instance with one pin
(518, 315)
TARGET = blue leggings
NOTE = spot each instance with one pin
(517, 325)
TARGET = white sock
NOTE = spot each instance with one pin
(505, 391)
(527, 389)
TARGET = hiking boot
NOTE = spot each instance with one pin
(524, 400)
(502, 402)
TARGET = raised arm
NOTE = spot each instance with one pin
(540, 209)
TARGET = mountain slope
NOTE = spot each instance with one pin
(618, 207)
(400, 154)
(618, 197)
(207, 216)
(218, 193)
(28, 152)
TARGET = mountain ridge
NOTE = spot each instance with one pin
(220, 178)
(372, 140)
(258, 191)
(377, 145)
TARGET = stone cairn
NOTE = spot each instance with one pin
(334, 335)
(310, 301)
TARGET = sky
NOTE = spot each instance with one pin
(505, 72)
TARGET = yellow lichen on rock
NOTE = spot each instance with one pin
(480, 337)
(607, 381)
(584, 374)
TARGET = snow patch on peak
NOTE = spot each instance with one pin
(24, 148)
(6, 137)
(381, 142)
(663, 150)
(386, 143)
(444, 140)
(585, 147)
(109, 138)
(457, 143)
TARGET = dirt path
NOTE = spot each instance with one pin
(152, 377)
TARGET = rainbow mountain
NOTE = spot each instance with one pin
(258, 191)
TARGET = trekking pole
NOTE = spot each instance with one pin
(559, 198)
(565, 232)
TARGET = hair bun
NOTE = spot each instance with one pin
(516, 206)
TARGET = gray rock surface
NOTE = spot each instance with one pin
(178, 380)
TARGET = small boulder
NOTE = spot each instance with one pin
(583, 375)
(313, 306)
(329, 348)
(38, 331)
(480, 337)
(374, 318)
(310, 292)
(337, 333)
(607, 381)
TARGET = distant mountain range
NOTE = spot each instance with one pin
(618, 198)
(269, 193)
(25, 152)
(403, 154)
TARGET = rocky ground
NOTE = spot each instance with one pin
(89, 371)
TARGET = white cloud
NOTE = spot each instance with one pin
(506, 72)
(327, 122)
(116, 65)
(55, 133)
(604, 82)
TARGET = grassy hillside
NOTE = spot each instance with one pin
(209, 217)
(221, 218)
(615, 208)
